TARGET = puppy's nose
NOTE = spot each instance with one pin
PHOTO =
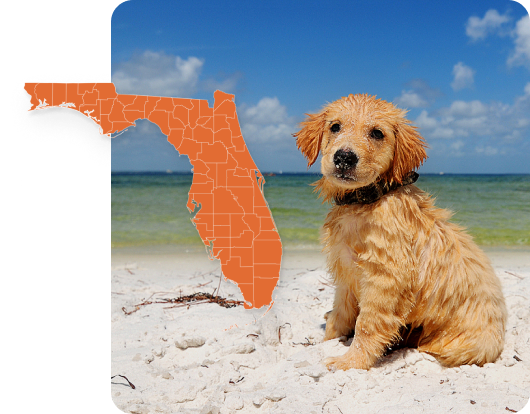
(344, 159)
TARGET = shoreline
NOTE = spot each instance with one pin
(190, 256)
(197, 248)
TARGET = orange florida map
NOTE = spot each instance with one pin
(233, 218)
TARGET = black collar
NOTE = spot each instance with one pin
(373, 192)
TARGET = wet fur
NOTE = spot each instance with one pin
(398, 264)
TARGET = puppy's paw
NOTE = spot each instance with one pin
(346, 362)
(330, 363)
(335, 363)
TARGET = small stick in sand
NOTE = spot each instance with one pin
(205, 273)
(308, 343)
(279, 331)
(514, 274)
(126, 379)
(219, 287)
(325, 282)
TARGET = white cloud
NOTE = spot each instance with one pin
(488, 150)
(410, 99)
(432, 126)
(420, 95)
(521, 55)
(424, 121)
(475, 118)
(268, 110)
(476, 121)
(267, 133)
(443, 132)
(266, 121)
(466, 109)
(463, 77)
(160, 74)
(492, 22)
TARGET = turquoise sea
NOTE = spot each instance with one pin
(149, 209)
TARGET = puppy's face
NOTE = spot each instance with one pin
(361, 139)
(357, 143)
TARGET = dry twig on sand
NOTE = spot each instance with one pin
(193, 299)
(126, 379)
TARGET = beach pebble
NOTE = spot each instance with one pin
(258, 400)
(190, 342)
(302, 364)
(207, 362)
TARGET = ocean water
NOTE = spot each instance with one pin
(149, 209)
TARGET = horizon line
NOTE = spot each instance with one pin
(265, 173)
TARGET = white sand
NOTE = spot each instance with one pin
(259, 362)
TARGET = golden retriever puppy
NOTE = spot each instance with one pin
(398, 264)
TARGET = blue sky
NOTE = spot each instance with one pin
(461, 68)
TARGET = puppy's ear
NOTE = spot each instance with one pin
(308, 139)
(409, 152)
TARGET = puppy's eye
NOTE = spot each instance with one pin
(377, 134)
(335, 128)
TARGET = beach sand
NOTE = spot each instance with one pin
(209, 359)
